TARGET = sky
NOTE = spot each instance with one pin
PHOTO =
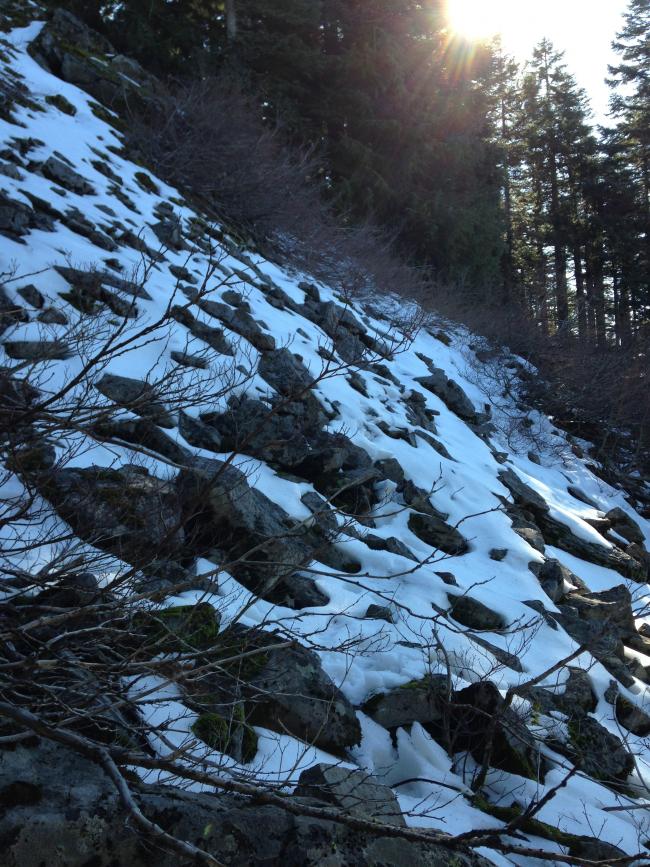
(584, 29)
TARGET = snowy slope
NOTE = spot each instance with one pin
(465, 483)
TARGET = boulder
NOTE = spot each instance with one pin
(612, 607)
(61, 173)
(437, 533)
(552, 576)
(479, 711)
(199, 434)
(291, 693)
(31, 295)
(143, 432)
(504, 657)
(353, 791)
(214, 337)
(597, 752)
(137, 396)
(626, 526)
(391, 544)
(16, 218)
(422, 701)
(37, 350)
(241, 322)
(450, 393)
(126, 512)
(475, 615)
(57, 800)
(285, 373)
(265, 549)
(379, 612)
(632, 717)
(523, 495)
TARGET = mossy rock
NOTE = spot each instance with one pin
(181, 628)
(60, 102)
(233, 737)
(528, 825)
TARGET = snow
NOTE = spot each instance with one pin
(364, 657)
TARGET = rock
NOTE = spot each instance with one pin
(199, 434)
(597, 752)
(127, 512)
(60, 801)
(559, 535)
(352, 791)
(420, 500)
(502, 656)
(324, 515)
(169, 232)
(31, 295)
(391, 544)
(450, 393)
(421, 701)
(291, 693)
(61, 173)
(143, 432)
(612, 607)
(214, 337)
(439, 535)
(473, 713)
(625, 526)
(188, 360)
(379, 612)
(264, 547)
(552, 576)
(285, 373)
(241, 322)
(473, 614)
(136, 395)
(522, 493)
(92, 280)
(52, 316)
(16, 218)
(592, 849)
(631, 717)
(449, 578)
(498, 554)
(391, 469)
(37, 350)
(576, 700)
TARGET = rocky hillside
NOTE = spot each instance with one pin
(289, 576)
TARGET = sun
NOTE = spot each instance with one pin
(484, 19)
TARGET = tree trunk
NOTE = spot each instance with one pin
(580, 294)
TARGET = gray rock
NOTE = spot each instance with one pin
(552, 576)
(188, 360)
(478, 710)
(265, 549)
(577, 699)
(592, 849)
(16, 218)
(626, 526)
(391, 469)
(37, 350)
(450, 393)
(612, 607)
(324, 515)
(92, 280)
(31, 295)
(597, 752)
(439, 535)
(61, 173)
(214, 337)
(292, 693)
(52, 316)
(137, 396)
(127, 512)
(475, 615)
(421, 701)
(352, 791)
(631, 717)
(502, 656)
(143, 432)
(379, 612)
(60, 801)
(241, 322)
(498, 554)
(391, 544)
(284, 372)
(522, 493)
(199, 434)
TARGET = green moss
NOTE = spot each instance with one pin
(223, 735)
(60, 102)
(180, 628)
(528, 825)
(146, 183)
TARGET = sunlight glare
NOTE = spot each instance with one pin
(484, 19)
